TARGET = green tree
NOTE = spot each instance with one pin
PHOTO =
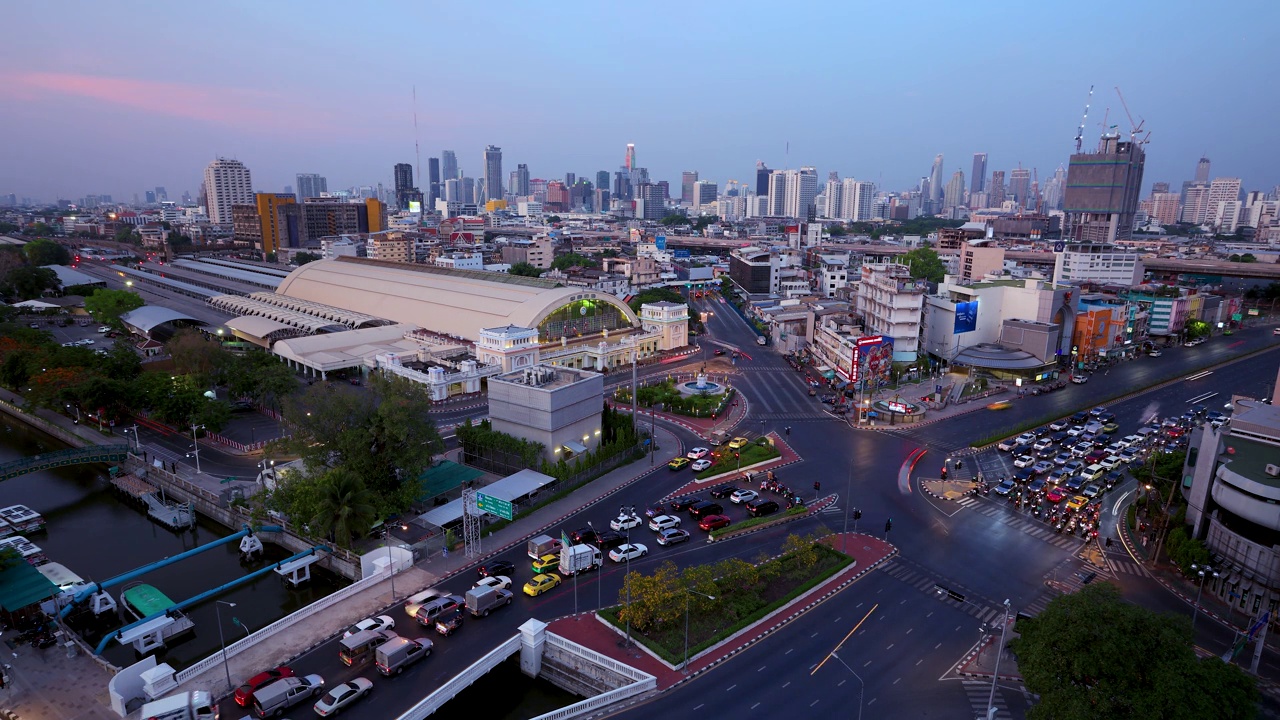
(705, 220)
(38, 229)
(562, 262)
(260, 377)
(8, 227)
(46, 252)
(924, 264)
(303, 258)
(383, 434)
(194, 354)
(177, 240)
(30, 282)
(1090, 654)
(553, 219)
(126, 234)
(675, 219)
(657, 294)
(524, 269)
(837, 231)
(106, 305)
(656, 600)
(345, 508)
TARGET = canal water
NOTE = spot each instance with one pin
(98, 534)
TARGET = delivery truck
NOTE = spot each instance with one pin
(543, 545)
(481, 600)
(196, 705)
(579, 558)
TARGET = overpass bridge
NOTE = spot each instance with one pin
(62, 458)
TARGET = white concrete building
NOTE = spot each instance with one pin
(1098, 263)
(857, 200)
(833, 274)
(461, 261)
(226, 183)
(890, 303)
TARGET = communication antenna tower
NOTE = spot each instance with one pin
(417, 169)
(470, 523)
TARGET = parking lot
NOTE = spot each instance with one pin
(70, 329)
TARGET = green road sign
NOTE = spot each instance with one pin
(494, 506)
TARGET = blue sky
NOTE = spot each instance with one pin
(119, 97)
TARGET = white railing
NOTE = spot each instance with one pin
(601, 700)
(596, 658)
(275, 627)
(445, 692)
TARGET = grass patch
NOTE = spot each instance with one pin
(757, 521)
(1011, 430)
(738, 604)
(751, 454)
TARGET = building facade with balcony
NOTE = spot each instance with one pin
(890, 303)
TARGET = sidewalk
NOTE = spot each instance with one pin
(981, 661)
(586, 629)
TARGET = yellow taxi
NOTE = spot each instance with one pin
(541, 583)
(1077, 502)
(738, 442)
(1000, 405)
(679, 463)
(546, 562)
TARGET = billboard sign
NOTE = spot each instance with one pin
(415, 207)
(494, 506)
(873, 359)
(660, 242)
(966, 317)
(680, 254)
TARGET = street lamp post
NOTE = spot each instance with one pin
(995, 675)
(599, 599)
(195, 445)
(631, 511)
(1202, 571)
(391, 563)
(684, 667)
(222, 640)
(861, 685)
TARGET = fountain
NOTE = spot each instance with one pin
(700, 386)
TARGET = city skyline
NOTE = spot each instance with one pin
(106, 119)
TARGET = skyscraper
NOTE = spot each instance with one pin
(630, 163)
(831, 208)
(161, 194)
(1102, 192)
(434, 191)
(857, 200)
(521, 186)
(687, 180)
(762, 179)
(1223, 192)
(995, 194)
(704, 194)
(978, 178)
(935, 181)
(403, 176)
(1195, 204)
(1020, 185)
(493, 173)
(448, 165)
(953, 196)
(649, 203)
(311, 185)
(801, 189)
(1202, 171)
(226, 183)
(602, 180)
(777, 194)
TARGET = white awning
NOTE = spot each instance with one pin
(574, 447)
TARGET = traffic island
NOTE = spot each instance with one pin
(948, 489)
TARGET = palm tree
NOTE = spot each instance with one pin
(345, 508)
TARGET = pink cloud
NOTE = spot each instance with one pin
(247, 110)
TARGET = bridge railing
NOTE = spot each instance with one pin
(61, 458)
(462, 680)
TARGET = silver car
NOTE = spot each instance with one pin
(342, 696)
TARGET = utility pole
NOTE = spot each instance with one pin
(995, 675)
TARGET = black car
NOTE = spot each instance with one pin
(762, 507)
(1080, 417)
(722, 491)
(1023, 475)
(450, 622)
(583, 535)
(684, 502)
(496, 567)
(609, 539)
(1059, 437)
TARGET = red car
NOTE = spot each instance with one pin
(244, 693)
(1056, 495)
(712, 522)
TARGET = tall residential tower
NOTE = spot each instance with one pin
(226, 183)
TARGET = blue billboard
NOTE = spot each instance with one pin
(966, 317)
(661, 242)
(680, 254)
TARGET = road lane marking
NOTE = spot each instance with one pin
(930, 614)
(753, 707)
(919, 661)
(815, 702)
(867, 663)
(890, 647)
(895, 682)
(909, 630)
(842, 682)
(935, 647)
(762, 667)
(1115, 509)
(699, 707)
(789, 651)
(731, 687)
(871, 702)
(814, 635)
(786, 683)
(844, 639)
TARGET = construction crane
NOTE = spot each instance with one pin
(1080, 130)
(1135, 128)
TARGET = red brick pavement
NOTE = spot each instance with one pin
(588, 630)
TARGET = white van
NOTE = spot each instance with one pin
(196, 705)
(274, 699)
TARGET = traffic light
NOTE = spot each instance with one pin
(888, 525)
(857, 514)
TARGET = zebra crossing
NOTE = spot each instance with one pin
(926, 439)
(1033, 528)
(978, 691)
(1127, 566)
(938, 586)
(832, 509)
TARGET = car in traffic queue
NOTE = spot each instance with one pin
(679, 463)
(714, 522)
(1005, 487)
(499, 582)
(697, 453)
(342, 696)
(381, 622)
(450, 622)
(626, 521)
(497, 567)
(762, 507)
(1055, 495)
(723, 490)
(700, 465)
(244, 693)
(671, 536)
(632, 551)
(550, 561)
(664, 522)
(541, 583)
(743, 496)
(684, 502)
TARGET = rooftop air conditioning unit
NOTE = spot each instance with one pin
(1273, 470)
